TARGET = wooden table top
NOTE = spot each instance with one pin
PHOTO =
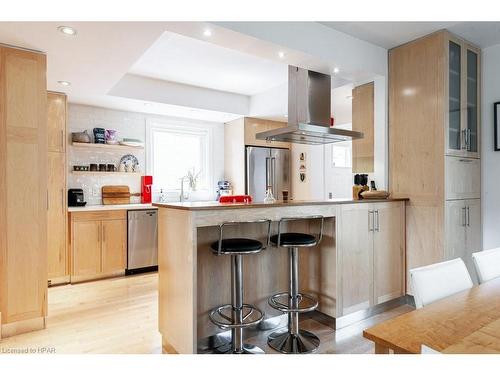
(467, 322)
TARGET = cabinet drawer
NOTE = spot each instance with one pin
(462, 178)
(99, 215)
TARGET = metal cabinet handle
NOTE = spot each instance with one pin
(463, 136)
(377, 228)
(468, 216)
(464, 216)
(370, 220)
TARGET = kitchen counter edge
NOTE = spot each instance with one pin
(200, 206)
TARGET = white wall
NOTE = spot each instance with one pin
(129, 125)
(490, 158)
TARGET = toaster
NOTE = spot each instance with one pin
(75, 198)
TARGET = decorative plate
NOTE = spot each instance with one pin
(129, 159)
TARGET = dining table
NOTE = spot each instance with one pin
(464, 323)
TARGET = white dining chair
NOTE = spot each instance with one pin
(487, 264)
(439, 280)
(424, 349)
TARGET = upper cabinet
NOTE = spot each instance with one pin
(56, 125)
(253, 126)
(363, 121)
(463, 76)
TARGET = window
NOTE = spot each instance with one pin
(175, 150)
(342, 155)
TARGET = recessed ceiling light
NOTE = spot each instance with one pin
(336, 70)
(67, 30)
(64, 83)
(207, 32)
(281, 54)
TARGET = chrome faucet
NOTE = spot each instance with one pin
(182, 197)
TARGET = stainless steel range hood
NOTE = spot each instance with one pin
(309, 111)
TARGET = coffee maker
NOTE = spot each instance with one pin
(224, 188)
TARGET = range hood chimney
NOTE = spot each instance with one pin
(309, 98)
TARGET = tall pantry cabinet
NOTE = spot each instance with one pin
(23, 190)
(434, 146)
(58, 262)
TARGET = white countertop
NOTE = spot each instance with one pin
(111, 207)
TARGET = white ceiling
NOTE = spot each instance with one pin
(177, 58)
(393, 34)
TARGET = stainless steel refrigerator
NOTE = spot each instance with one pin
(267, 167)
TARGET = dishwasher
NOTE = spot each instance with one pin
(142, 241)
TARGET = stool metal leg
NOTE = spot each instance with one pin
(237, 346)
(293, 340)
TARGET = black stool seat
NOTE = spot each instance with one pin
(294, 239)
(238, 246)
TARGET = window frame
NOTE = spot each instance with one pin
(181, 128)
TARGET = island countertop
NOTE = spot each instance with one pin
(214, 205)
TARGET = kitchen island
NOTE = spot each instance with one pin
(357, 267)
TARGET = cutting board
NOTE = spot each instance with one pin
(375, 194)
(117, 194)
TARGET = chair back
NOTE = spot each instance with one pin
(487, 264)
(436, 281)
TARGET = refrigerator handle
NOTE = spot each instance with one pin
(268, 172)
(273, 176)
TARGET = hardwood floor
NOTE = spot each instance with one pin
(109, 316)
(120, 316)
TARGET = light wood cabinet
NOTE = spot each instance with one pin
(23, 190)
(434, 142)
(56, 216)
(363, 120)
(463, 231)
(86, 248)
(463, 178)
(114, 243)
(371, 250)
(99, 244)
(56, 125)
(58, 270)
(255, 125)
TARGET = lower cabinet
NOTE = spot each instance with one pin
(371, 254)
(463, 231)
(98, 243)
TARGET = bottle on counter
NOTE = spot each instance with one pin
(269, 198)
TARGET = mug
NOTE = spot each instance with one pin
(102, 167)
(111, 168)
(93, 167)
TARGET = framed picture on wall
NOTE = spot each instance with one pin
(496, 122)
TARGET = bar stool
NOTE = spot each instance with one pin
(238, 315)
(294, 340)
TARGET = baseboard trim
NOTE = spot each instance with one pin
(22, 326)
(61, 280)
(81, 279)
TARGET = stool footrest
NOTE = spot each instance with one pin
(281, 302)
(221, 316)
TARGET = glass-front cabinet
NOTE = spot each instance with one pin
(463, 125)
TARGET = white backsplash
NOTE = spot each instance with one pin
(128, 125)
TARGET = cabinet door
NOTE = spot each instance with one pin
(114, 240)
(455, 224)
(388, 251)
(472, 125)
(56, 124)
(86, 241)
(363, 121)
(254, 126)
(462, 178)
(56, 216)
(473, 234)
(355, 245)
(454, 134)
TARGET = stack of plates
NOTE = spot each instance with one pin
(132, 142)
